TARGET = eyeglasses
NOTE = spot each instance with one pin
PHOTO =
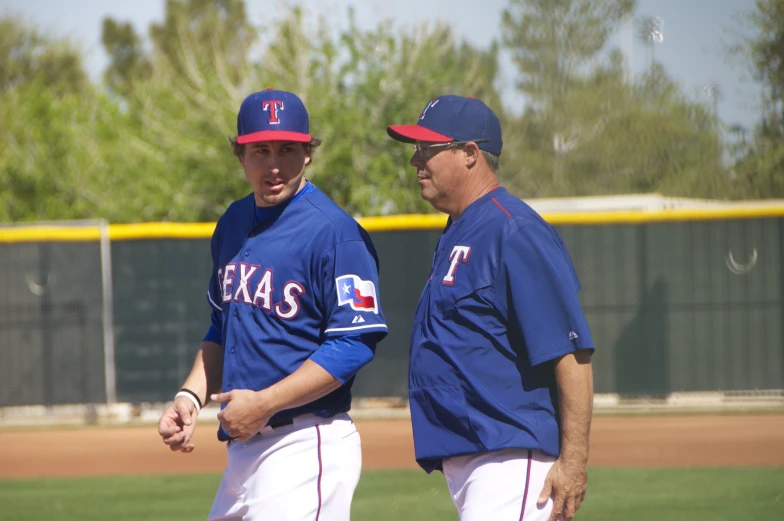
(424, 149)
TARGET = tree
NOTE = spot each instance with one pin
(181, 106)
(198, 33)
(194, 36)
(53, 155)
(354, 80)
(380, 81)
(26, 55)
(127, 60)
(760, 167)
(589, 129)
(50, 123)
(156, 146)
(552, 41)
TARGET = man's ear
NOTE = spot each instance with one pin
(471, 154)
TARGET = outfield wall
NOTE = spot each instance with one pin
(677, 301)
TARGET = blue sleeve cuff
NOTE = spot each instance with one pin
(215, 333)
(343, 356)
(559, 352)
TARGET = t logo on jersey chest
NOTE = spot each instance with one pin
(459, 253)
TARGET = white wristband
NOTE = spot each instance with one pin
(190, 397)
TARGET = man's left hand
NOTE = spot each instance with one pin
(244, 415)
(566, 483)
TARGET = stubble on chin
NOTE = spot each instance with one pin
(275, 199)
(272, 200)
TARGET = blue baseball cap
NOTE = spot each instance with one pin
(272, 115)
(453, 118)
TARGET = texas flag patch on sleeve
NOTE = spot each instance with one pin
(359, 294)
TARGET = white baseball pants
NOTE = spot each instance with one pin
(502, 485)
(302, 472)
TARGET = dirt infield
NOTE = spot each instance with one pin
(627, 441)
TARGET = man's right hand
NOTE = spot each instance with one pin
(177, 424)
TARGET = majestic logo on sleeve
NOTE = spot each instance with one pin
(459, 253)
(272, 106)
(359, 294)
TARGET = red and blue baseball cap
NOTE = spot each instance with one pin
(272, 115)
(453, 118)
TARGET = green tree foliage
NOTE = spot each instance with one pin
(354, 81)
(28, 55)
(199, 34)
(552, 41)
(588, 129)
(53, 160)
(154, 146)
(67, 150)
(50, 128)
(760, 168)
(127, 60)
(180, 114)
(359, 83)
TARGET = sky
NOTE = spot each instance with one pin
(696, 33)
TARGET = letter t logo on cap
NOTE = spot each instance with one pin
(272, 106)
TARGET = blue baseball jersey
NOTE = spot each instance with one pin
(500, 303)
(301, 284)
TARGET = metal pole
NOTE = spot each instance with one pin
(84, 350)
(44, 277)
(108, 315)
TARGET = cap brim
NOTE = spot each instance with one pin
(274, 135)
(414, 133)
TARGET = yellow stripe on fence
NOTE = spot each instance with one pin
(50, 233)
(117, 232)
(392, 223)
(645, 216)
(122, 232)
(437, 221)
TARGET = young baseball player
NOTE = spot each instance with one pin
(295, 315)
(500, 378)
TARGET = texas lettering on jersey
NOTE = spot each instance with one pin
(236, 286)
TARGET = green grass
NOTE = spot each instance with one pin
(688, 495)
(614, 494)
